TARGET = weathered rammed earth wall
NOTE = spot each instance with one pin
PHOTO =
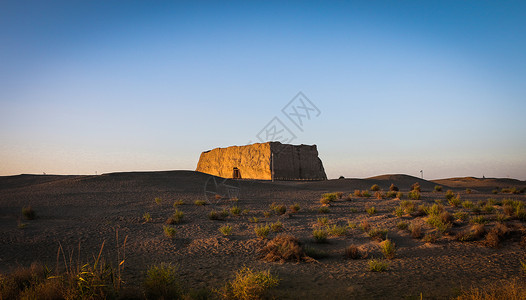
(291, 162)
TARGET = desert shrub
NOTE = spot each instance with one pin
(267, 214)
(438, 223)
(476, 210)
(176, 218)
(454, 201)
(502, 218)
(177, 203)
(391, 194)
(495, 235)
(158, 200)
(376, 265)
(402, 225)
(446, 217)
(213, 215)
(366, 194)
(478, 220)
(409, 206)
(253, 220)
(351, 225)
(225, 230)
(460, 216)
(324, 201)
(474, 233)
(315, 252)
(439, 201)
(508, 289)
(336, 230)
(276, 226)
(21, 280)
(508, 209)
(28, 213)
(495, 191)
(449, 194)
(329, 197)
(415, 187)
(421, 210)
(200, 202)
(324, 210)
(235, 210)
(224, 213)
(512, 190)
(262, 231)
(388, 249)
(234, 199)
(284, 248)
(364, 226)
(357, 193)
(353, 210)
(378, 195)
(393, 188)
(162, 282)
(416, 230)
(353, 252)
(521, 214)
(339, 194)
(488, 208)
(147, 217)
(434, 210)
(414, 195)
(323, 221)
(378, 233)
(169, 231)
(248, 285)
(467, 204)
(320, 235)
(468, 191)
(431, 237)
(438, 188)
(399, 211)
(295, 208)
(399, 195)
(371, 210)
(375, 188)
(493, 201)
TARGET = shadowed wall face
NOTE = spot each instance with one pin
(255, 162)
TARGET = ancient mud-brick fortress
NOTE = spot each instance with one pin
(257, 161)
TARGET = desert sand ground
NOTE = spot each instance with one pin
(91, 209)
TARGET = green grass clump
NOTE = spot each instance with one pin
(253, 220)
(176, 218)
(324, 210)
(438, 188)
(488, 208)
(329, 197)
(336, 230)
(414, 195)
(455, 201)
(320, 235)
(375, 188)
(391, 194)
(262, 231)
(28, 213)
(521, 214)
(158, 200)
(248, 285)
(147, 217)
(371, 210)
(467, 204)
(438, 223)
(177, 203)
(276, 226)
(376, 265)
(393, 188)
(388, 249)
(169, 231)
(225, 230)
(366, 194)
(224, 213)
(399, 195)
(351, 225)
(235, 210)
(200, 202)
(162, 282)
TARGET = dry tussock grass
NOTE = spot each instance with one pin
(512, 290)
(283, 248)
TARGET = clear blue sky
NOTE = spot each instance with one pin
(106, 86)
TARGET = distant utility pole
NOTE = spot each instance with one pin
(422, 173)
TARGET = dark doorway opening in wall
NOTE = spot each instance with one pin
(236, 174)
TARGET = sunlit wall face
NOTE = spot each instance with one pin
(94, 86)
